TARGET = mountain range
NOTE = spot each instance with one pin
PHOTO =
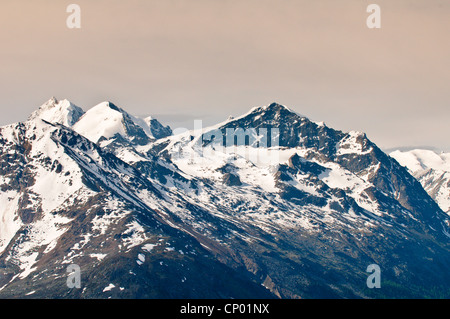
(269, 204)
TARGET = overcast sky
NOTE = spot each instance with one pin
(181, 60)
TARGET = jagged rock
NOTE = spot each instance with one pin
(230, 179)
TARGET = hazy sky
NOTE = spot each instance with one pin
(207, 59)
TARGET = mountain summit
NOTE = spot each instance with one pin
(153, 215)
(54, 111)
(102, 122)
(106, 120)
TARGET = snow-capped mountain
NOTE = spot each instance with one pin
(432, 170)
(54, 111)
(106, 121)
(268, 204)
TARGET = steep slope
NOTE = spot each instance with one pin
(70, 202)
(432, 170)
(156, 129)
(310, 195)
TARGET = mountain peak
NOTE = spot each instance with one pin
(108, 105)
(52, 100)
(276, 105)
(274, 114)
(274, 108)
(106, 120)
(271, 106)
(58, 111)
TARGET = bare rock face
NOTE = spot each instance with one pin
(230, 179)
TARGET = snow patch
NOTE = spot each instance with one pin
(109, 287)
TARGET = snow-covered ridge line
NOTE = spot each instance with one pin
(104, 120)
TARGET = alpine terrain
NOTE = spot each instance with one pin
(265, 205)
(432, 170)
